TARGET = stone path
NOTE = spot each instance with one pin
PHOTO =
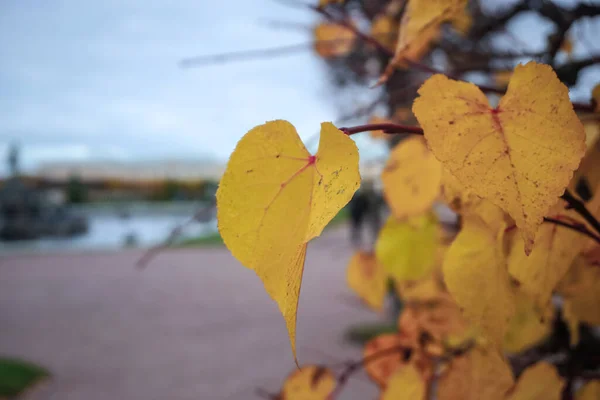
(194, 325)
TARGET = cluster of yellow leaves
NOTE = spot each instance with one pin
(434, 339)
(520, 155)
(501, 168)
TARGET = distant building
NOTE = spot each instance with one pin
(132, 171)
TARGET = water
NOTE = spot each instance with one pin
(111, 232)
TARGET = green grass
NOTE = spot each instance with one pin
(362, 333)
(17, 375)
(215, 239)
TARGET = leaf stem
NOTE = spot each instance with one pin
(385, 127)
(577, 228)
(580, 208)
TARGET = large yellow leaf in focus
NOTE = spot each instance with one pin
(387, 354)
(411, 178)
(520, 155)
(589, 391)
(481, 374)
(406, 383)
(333, 40)
(555, 249)
(528, 326)
(312, 382)
(538, 382)
(274, 197)
(476, 275)
(455, 194)
(419, 27)
(367, 278)
(407, 249)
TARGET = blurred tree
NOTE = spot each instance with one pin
(76, 191)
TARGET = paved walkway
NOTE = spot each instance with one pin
(194, 325)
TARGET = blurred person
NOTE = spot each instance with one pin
(364, 209)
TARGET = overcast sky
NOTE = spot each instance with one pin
(100, 79)
(83, 80)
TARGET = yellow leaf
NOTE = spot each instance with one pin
(407, 249)
(538, 382)
(596, 96)
(576, 287)
(411, 178)
(368, 279)
(478, 375)
(520, 155)
(528, 326)
(379, 134)
(269, 174)
(384, 29)
(555, 249)
(388, 353)
(419, 27)
(476, 275)
(406, 383)
(589, 391)
(333, 40)
(455, 194)
(584, 305)
(311, 382)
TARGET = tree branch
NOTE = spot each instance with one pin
(385, 127)
(580, 208)
(355, 366)
(416, 65)
(577, 228)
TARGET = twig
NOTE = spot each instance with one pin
(354, 366)
(577, 228)
(580, 208)
(385, 127)
(173, 235)
(260, 392)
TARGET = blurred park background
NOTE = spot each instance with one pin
(116, 121)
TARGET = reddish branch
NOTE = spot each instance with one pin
(385, 127)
